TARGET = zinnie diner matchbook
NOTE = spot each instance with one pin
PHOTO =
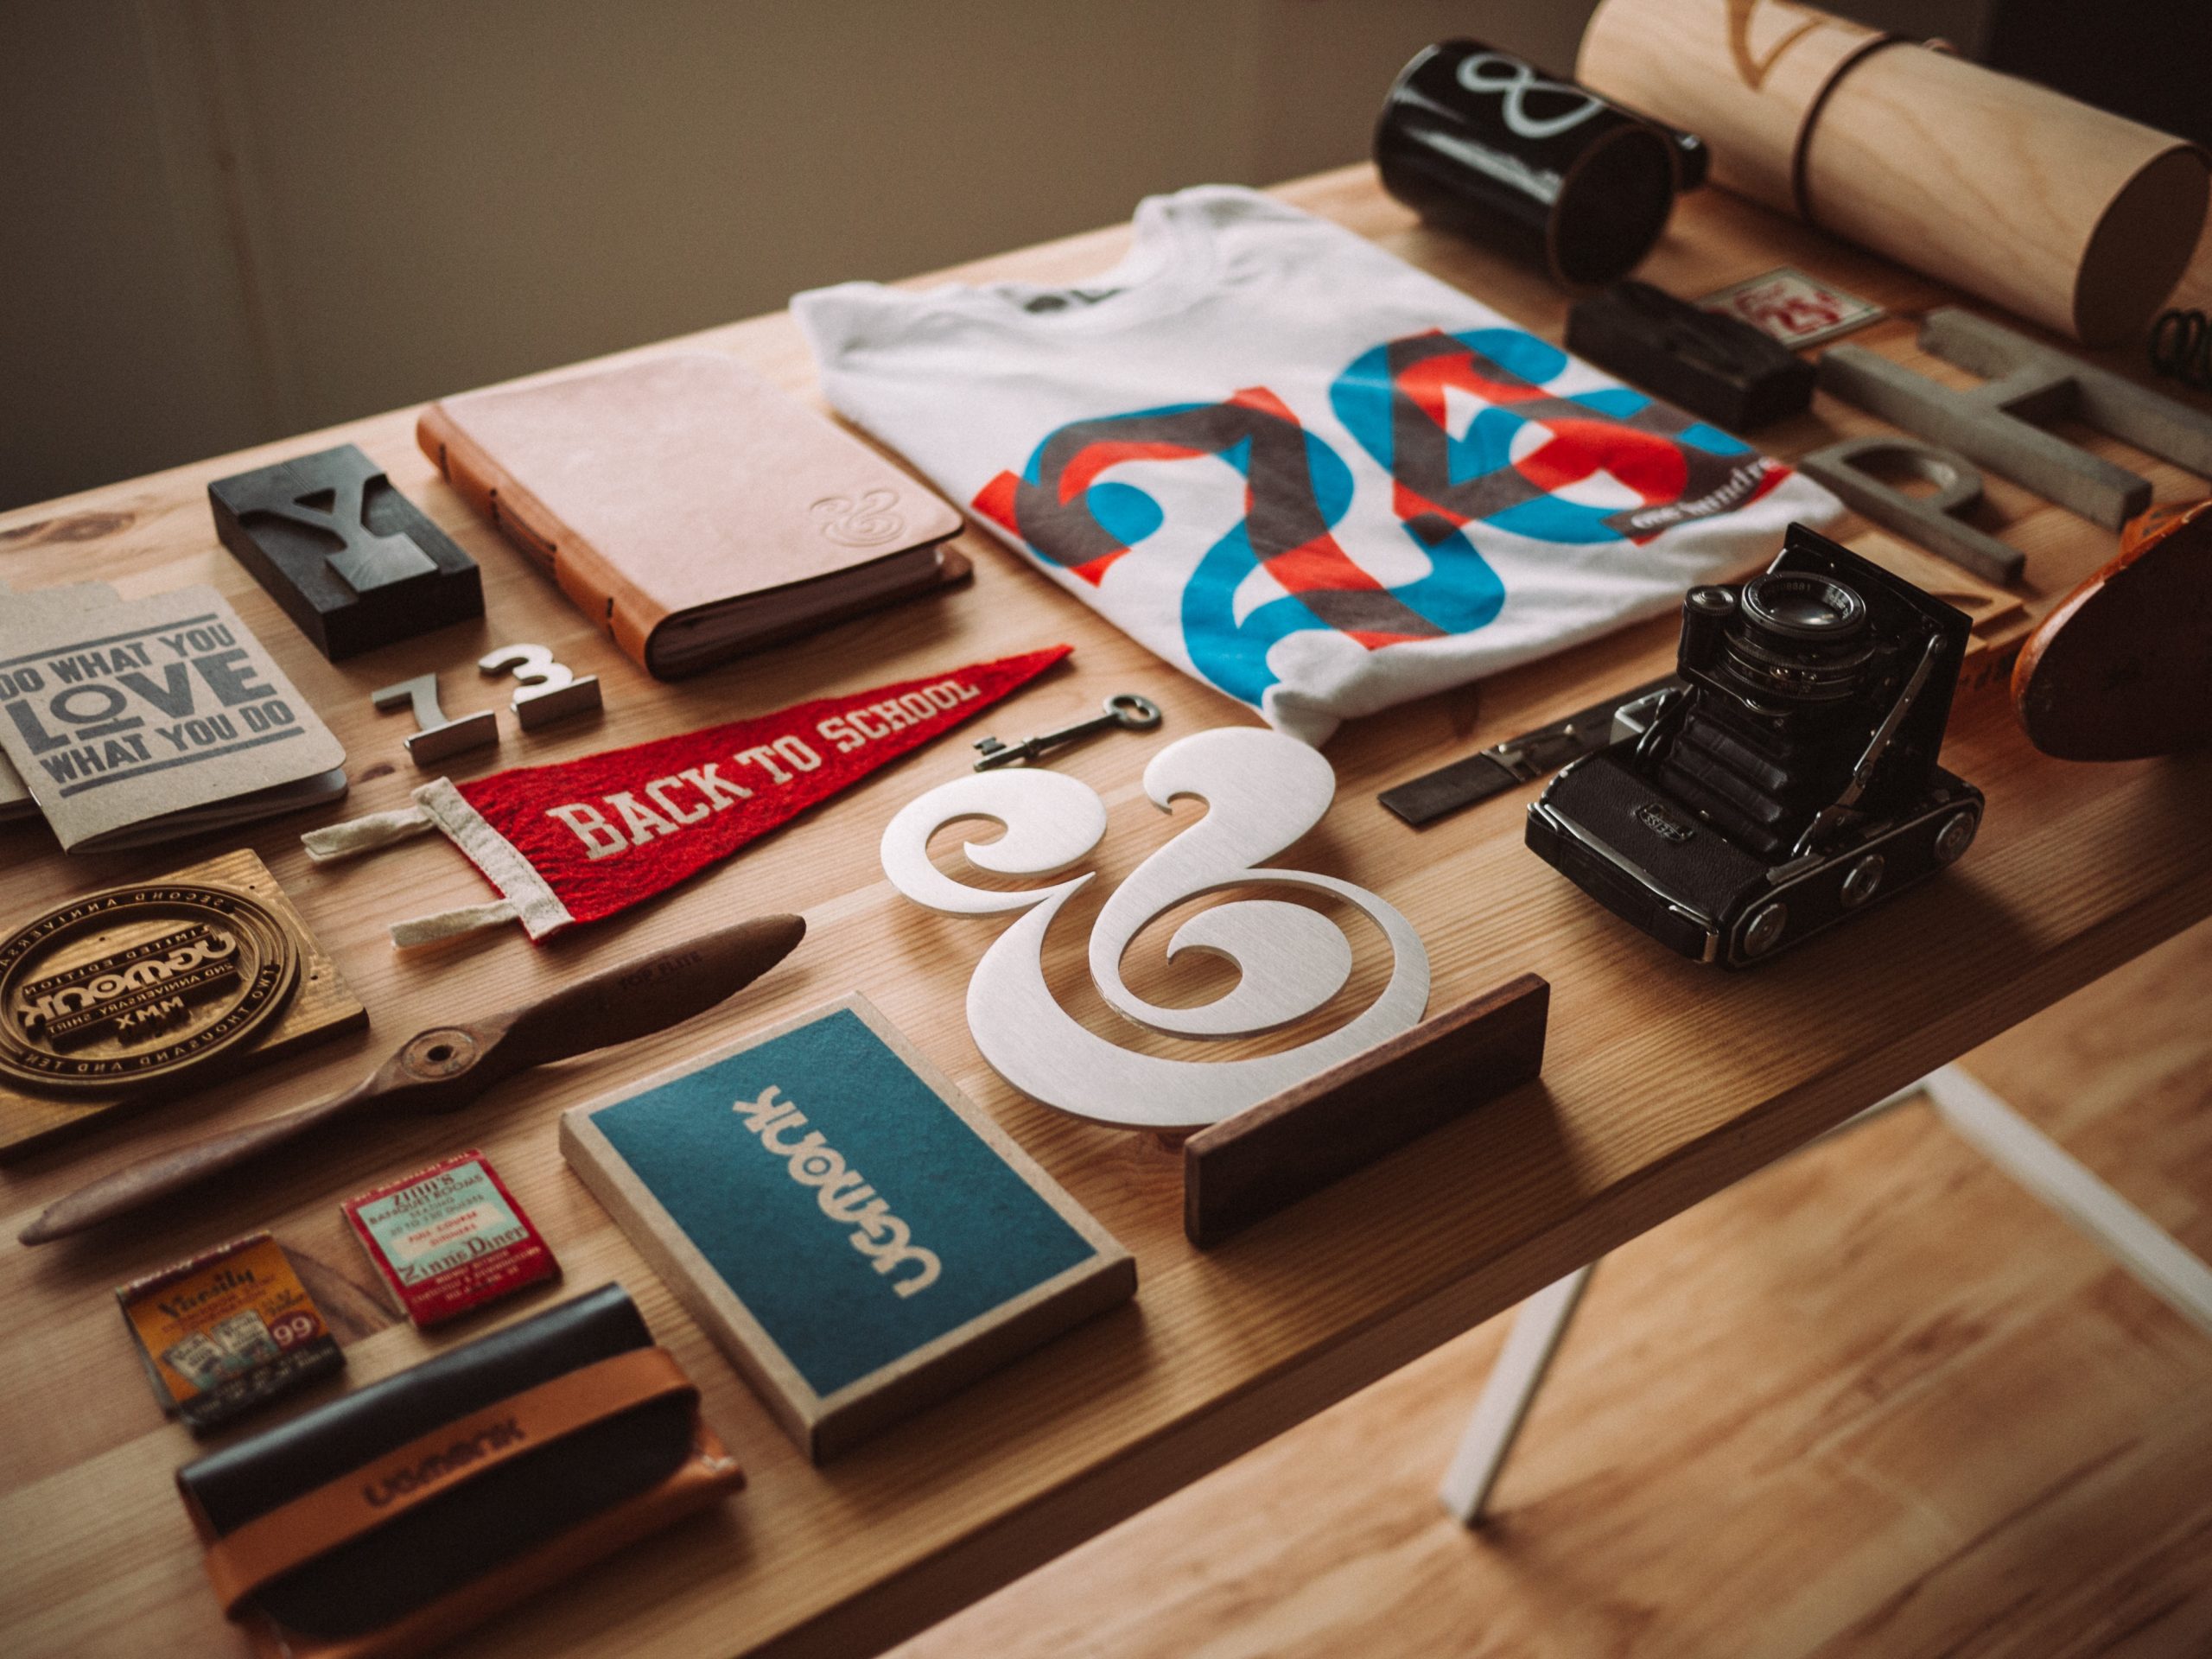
(857, 1236)
(137, 720)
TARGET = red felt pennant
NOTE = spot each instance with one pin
(585, 838)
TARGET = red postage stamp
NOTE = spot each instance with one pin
(1795, 308)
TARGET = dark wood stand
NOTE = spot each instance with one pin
(1268, 1156)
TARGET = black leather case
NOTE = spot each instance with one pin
(396, 1573)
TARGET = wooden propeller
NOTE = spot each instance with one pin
(447, 1067)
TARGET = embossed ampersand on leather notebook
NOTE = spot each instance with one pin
(690, 508)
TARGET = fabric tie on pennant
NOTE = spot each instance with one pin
(585, 838)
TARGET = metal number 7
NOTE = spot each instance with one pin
(439, 737)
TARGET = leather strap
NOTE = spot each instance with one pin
(266, 1547)
(1800, 184)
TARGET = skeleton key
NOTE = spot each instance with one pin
(1125, 712)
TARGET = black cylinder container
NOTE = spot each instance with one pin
(1483, 143)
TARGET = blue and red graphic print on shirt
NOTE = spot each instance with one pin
(1510, 466)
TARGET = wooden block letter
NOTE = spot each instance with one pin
(353, 562)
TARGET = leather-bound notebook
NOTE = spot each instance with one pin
(689, 507)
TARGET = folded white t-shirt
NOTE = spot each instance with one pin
(1294, 466)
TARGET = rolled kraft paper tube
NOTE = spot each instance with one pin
(1753, 73)
(2072, 218)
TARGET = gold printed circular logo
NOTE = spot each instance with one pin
(123, 987)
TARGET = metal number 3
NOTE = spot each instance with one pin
(1262, 791)
(547, 690)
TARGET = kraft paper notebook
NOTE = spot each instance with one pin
(689, 507)
(15, 794)
(132, 722)
(857, 1236)
(15, 800)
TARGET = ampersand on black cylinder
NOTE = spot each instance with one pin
(1546, 172)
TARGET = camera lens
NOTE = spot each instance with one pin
(1803, 606)
(1799, 637)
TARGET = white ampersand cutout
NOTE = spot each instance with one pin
(1262, 791)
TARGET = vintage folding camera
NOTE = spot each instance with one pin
(1790, 779)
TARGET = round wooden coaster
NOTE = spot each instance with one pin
(136, 984)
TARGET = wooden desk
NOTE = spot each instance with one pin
(1665, 1082)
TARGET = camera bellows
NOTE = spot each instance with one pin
(1792, 779)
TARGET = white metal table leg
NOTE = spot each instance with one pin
(1979, 1117)
(1512, 1385)
(2054, 1175)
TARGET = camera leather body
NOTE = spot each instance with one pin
(1791, 780)
(409, 1510)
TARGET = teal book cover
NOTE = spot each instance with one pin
(852, 1229)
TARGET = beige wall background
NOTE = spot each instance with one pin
(223, 222)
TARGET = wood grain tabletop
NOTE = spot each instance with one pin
(1663, 1081)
